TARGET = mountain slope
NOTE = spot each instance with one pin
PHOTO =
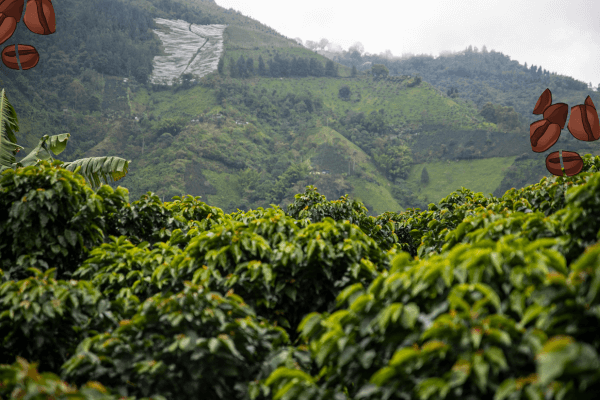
(258, 138)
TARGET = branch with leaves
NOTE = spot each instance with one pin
(92, 168)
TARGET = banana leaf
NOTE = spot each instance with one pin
(9, 124)
(55, 144)
(94, 168)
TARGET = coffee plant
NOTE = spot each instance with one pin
(474, 298)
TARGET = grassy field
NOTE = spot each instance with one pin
(447, 176)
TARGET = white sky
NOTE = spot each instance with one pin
(562, 36)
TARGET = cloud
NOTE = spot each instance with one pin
(560, 36)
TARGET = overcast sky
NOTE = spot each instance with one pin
(562, 36)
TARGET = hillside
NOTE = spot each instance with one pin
(277, 117)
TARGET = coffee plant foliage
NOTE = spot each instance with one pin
(476, 297)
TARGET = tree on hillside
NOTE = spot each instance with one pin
(379, 71)
(316, 68)
(241, 67)
(293, 174)
(250, 66)
(424, 176)
(262, 69)
(358, 48)
(345, 93)
(221, 66)
(353, 73)
(232, 68)
(323, 43)
(452, 92)
(311, 45)
(186, 80)
(330, 69)
(488, 111)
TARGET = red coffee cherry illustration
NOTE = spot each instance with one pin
(28, 56)
(10, 14)
(543, 134)
(39, 17)
(543, 102)
(583, 123)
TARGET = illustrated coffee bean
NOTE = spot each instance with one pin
(28, 56)
(543, 102)
(573, 162)
(543, 134)
(39, 17)
(557, 114)
(553, 164)
(9, 57)
(10, 14)
(584, 124)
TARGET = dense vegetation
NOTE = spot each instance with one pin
(233, 135)
(479, 76)
(473, 298)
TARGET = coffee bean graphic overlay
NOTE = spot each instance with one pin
(39, 17)
(10, 15)
(573, 162)
(27, 55)
(553, 164)
(584, 125)
(543, 135)
(9, 57)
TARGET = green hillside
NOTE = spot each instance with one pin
(245, 137)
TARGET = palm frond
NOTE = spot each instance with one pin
(9, 124)
(94, 168)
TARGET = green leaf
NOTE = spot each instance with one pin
(40, 152)
(288, 373)
(429, 387)
(506, 388)
(309, 322)
(213, 345)
(71, 237)
(231, 346)
(94, 168)
(9, 124)
(367, 391)
(291, 293)
(481, 369)
(367, 358)
(382, 376)
(389, 314)
(410, 315)
(403, 355)
(349, 291)
(532, 311)
(57, 143)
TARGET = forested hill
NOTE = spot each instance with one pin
(480, 76)
(250, 117)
